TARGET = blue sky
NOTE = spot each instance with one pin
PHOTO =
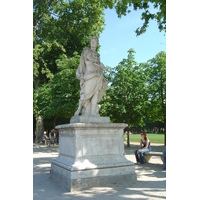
(119, 36)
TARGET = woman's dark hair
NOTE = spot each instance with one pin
(145, 135)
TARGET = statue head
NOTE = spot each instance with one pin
(94, 42)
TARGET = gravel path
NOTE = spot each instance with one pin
(151, 179)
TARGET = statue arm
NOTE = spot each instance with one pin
(104, 68)
(81, 68)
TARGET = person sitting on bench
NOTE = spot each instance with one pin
(145, 146)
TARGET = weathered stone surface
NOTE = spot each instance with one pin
(91, 155)
(93, 84)
(89, 119)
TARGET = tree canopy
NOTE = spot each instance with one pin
(123, 7)
(137, 92)
(61, 29)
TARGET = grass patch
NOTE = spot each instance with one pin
(154, 138)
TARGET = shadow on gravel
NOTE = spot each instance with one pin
(151, 182)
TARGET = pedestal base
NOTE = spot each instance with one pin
(63, 177)
(91, 155)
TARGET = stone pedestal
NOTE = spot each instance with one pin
(91, 155)
(90, 119)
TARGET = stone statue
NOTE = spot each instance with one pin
(84, 144)
(92, 81)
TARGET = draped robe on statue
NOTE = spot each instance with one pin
(92, 82)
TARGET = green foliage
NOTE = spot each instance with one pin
(61, 29)
(123, 100)
(59, 97)
(70, 23)
(137, 92)
(44, 56)
(123, 7)
(157, 87)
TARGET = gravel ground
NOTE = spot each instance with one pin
(151, 179)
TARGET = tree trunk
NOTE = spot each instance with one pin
(54, 121)
(39, 119)
(163, 107)
(128, 141)
(165, 129)
(39, 128)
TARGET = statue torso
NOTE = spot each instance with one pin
(92, 60)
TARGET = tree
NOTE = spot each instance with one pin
(60, 29)
(157, 88)
(44, 67)
(70, 23)
(59, 97)
(125, 97)
(136, 94)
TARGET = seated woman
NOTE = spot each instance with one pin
(145, 146)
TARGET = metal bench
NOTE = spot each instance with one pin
(148, 155)
(55, 141)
